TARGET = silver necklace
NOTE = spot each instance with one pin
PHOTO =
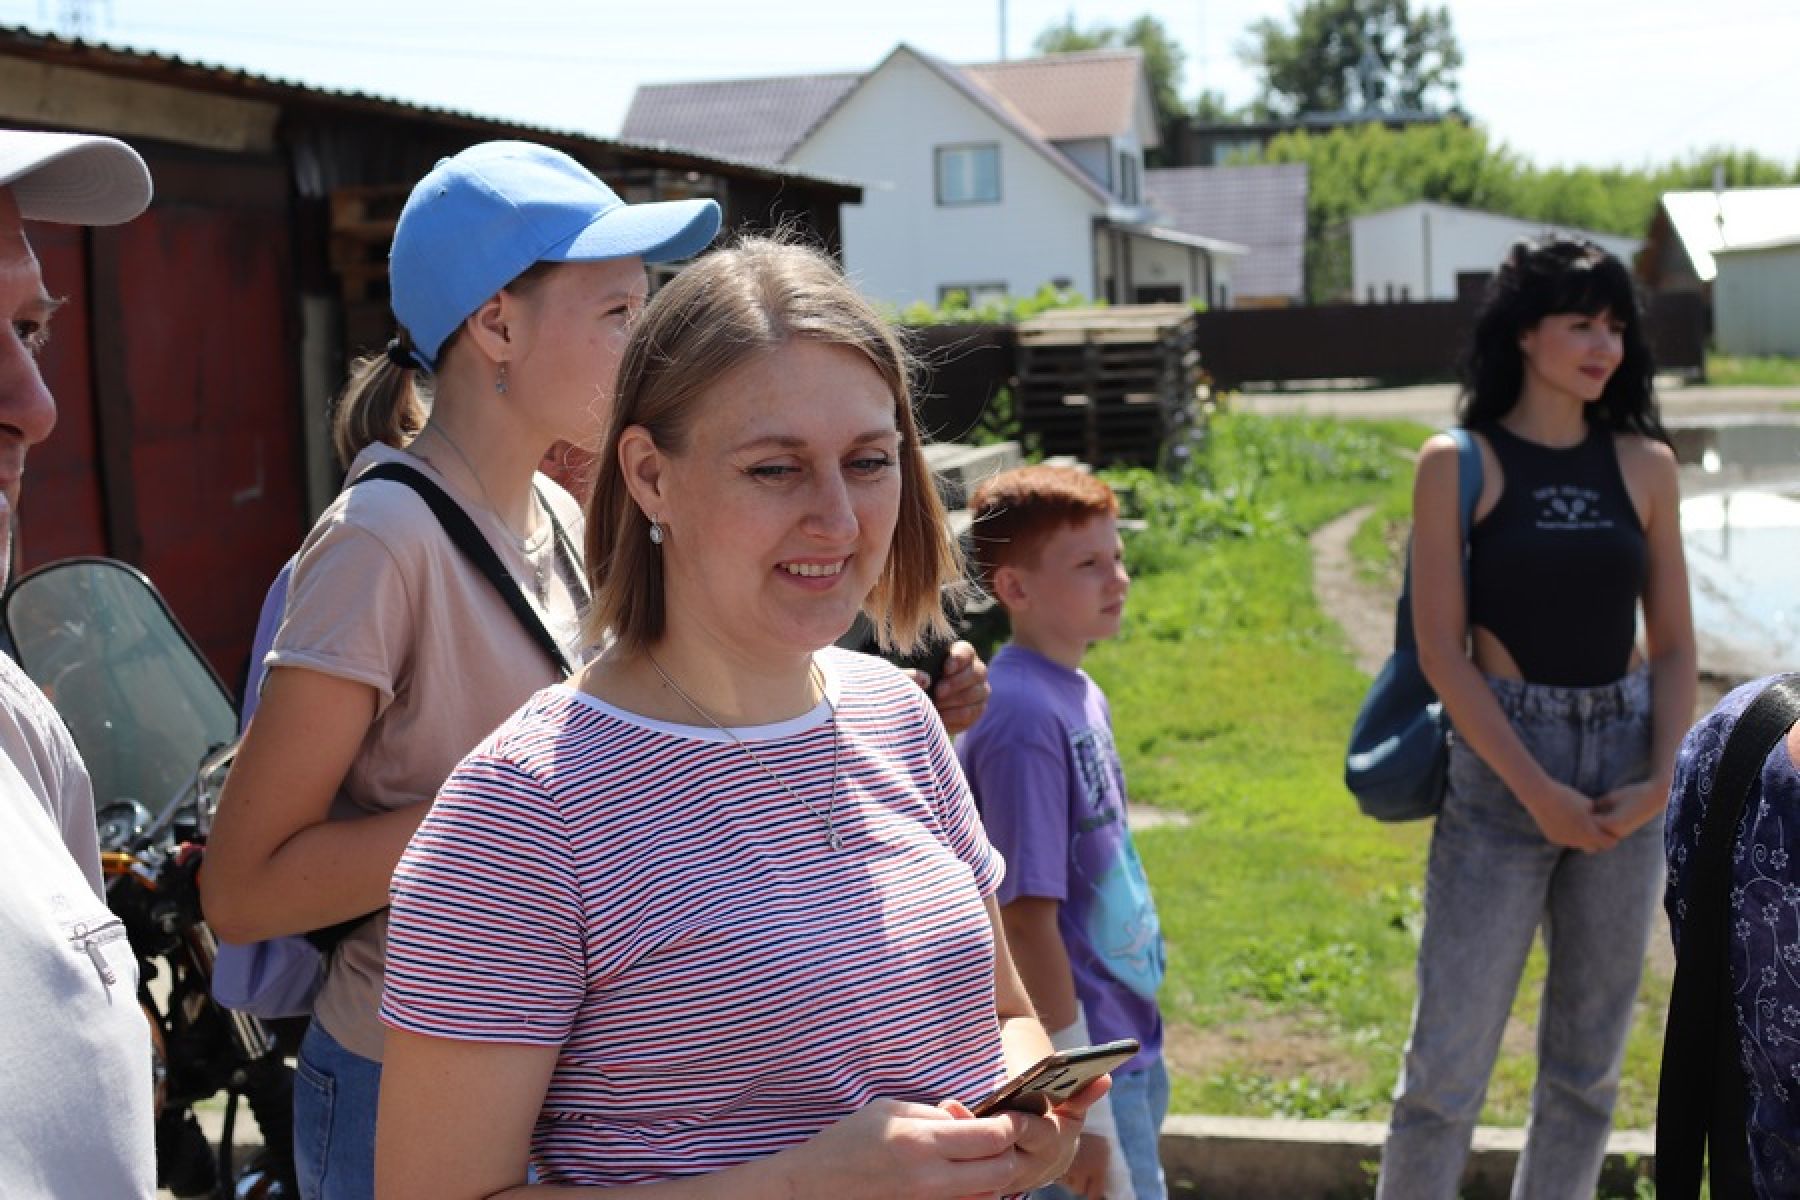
(828, 818)
(540, 571)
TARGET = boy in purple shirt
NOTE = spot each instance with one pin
(1046, 775)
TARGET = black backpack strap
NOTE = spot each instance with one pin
(565, 555)
(1702, 1089)
(461, 529)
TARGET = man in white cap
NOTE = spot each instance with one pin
(75, 1104)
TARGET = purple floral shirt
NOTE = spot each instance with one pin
(1765, 915)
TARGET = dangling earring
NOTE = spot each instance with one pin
(656, 532)
(500, 380)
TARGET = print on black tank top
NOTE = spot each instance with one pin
(1556, 569)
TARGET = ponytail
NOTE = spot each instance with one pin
(380, 403)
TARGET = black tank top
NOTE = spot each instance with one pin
(1556, 569)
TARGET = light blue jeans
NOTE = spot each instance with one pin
(335, 1097)
(1492, 880)
(1140, 1101)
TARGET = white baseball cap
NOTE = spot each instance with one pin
(73, 178)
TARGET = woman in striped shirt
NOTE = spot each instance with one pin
(716, 918)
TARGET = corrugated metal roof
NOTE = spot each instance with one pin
(1710, 221)
(1092, 94)
(178, 71)
(1262, 207)
(761, 120)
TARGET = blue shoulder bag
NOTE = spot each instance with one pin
(1398, 756)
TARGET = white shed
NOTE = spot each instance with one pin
(1756, 298)
(1421, 251)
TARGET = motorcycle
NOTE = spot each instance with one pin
(158, 731)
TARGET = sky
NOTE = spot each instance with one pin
(1602, 82)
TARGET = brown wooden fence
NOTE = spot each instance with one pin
(966, 365)
(1397, 343)
(963, 367)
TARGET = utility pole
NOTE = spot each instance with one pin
(1002, 30)
(80, 19)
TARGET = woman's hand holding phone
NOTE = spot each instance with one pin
(1044, 1146)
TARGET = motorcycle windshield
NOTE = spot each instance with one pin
(142, 703)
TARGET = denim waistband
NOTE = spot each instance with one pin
(1624, 697)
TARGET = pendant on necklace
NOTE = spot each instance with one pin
(835, 840)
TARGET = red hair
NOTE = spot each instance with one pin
(1016, 512)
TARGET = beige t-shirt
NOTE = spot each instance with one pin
(381, 596)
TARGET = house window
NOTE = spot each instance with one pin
(1128, 178)
(968, 174)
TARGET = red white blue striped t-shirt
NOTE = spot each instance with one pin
(720, 983)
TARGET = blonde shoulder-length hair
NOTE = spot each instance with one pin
(717, 314)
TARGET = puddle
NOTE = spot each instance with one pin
(1743, 556)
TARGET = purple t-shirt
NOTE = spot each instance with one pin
(1047, 779)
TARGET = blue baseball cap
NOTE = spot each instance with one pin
(480, 219)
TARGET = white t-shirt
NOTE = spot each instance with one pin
(37, 742)
(75, 1091)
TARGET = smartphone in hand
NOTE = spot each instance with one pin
(1055, 1078)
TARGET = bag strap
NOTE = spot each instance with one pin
(1468, 484)
(462, 531)
(1701, 1091)
(1468, 494)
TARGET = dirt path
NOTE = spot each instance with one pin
(1363, 610)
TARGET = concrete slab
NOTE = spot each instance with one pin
(1245, 1158)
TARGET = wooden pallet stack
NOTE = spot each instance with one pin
(1108, 385)
(362, 229)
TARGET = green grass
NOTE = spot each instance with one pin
(1725, 370)
(1292, 920)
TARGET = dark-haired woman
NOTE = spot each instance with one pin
(1565, 729)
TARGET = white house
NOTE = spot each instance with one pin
(994, 179)
(1428, 251)
(1756, 298)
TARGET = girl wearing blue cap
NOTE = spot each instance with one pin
(515, 273)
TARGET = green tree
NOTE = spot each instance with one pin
(1366, 168)
(1211, 108)
(1164, 59)
(1354, 55)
